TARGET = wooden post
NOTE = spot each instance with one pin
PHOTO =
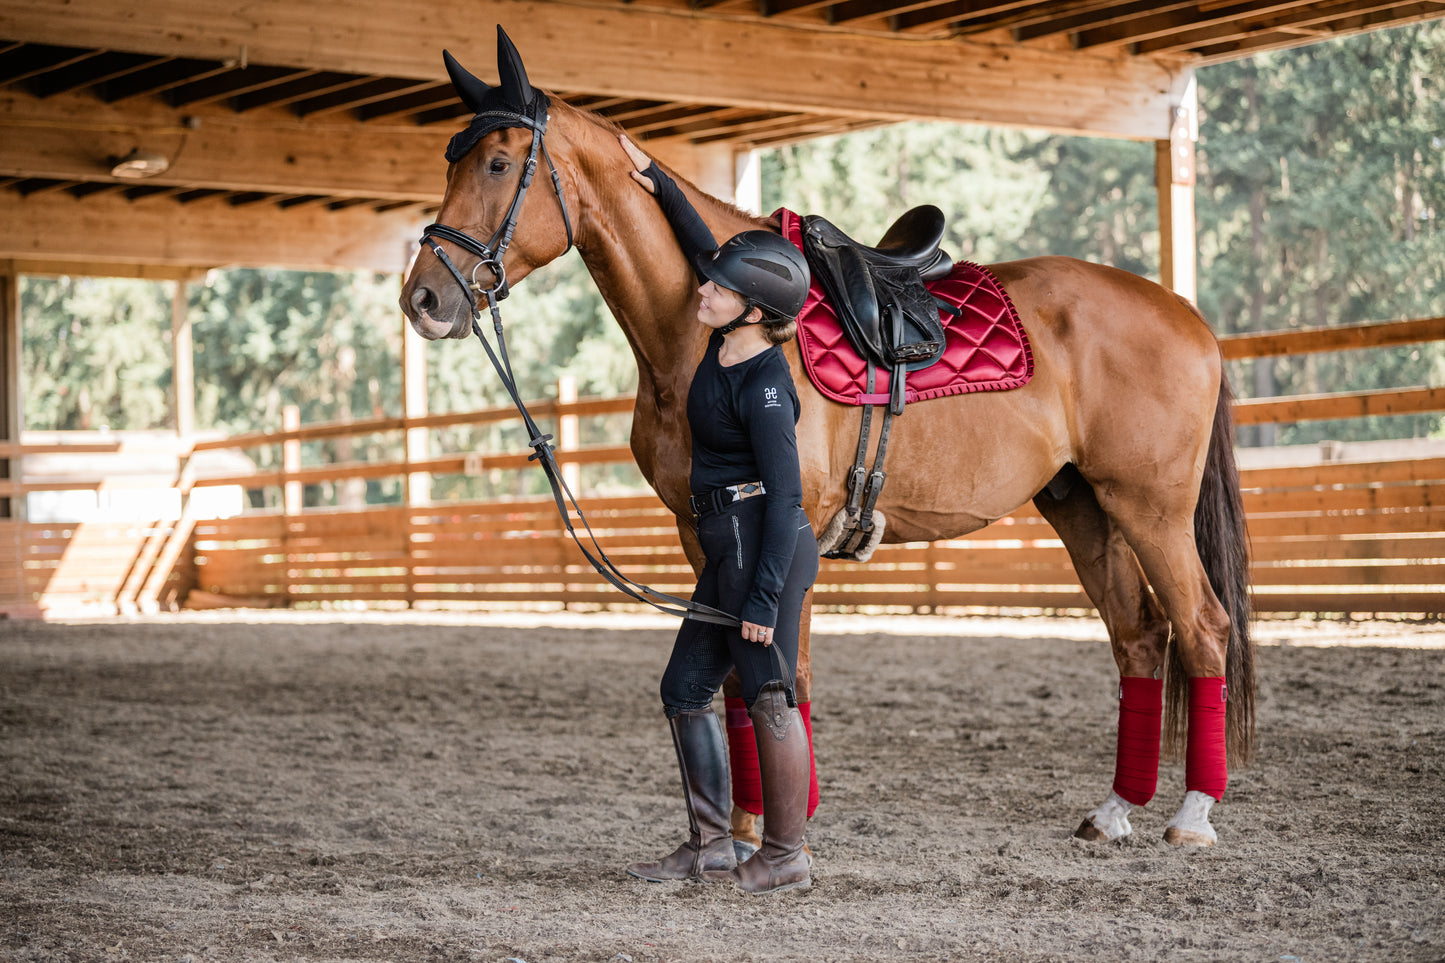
(183, 361)
(748, 181)
(290, 462)
(568, 432)
(416, 485)
(11, 417)
(1174, 181)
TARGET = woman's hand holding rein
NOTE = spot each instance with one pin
(758, 633)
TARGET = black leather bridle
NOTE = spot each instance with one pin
(490, 256)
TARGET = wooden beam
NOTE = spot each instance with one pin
(97, 269)
(71, 137)
(58, 228)
(624, 51)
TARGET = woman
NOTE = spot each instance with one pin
(761, 554)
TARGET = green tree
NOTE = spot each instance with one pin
(329, 343)
(1319, 203)
(96, 353)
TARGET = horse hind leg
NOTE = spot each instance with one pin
(1138, 634)
(1163, 540)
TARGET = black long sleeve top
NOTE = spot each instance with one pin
(743, 419)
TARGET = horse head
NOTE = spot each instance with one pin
(491, 231)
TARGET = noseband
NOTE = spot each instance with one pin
(490, 254)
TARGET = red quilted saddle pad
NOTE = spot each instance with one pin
(986, 350)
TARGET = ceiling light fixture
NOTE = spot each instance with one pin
(140, 163)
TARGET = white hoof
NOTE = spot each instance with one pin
(1190, 825)
(1108, 823)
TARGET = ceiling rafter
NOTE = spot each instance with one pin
(224, 86)
(1160, 24)
(1313, 21)
(1085, 16)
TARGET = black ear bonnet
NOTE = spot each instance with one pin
(512, 103)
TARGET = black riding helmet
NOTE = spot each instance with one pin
(763, 268)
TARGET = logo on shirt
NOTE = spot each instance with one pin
(770, 398)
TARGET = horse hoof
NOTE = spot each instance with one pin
(1175, 836)
(743, 849)
(1088, 832)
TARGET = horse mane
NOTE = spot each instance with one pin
(702, 200)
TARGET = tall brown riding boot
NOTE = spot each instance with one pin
(781, 862)
(703, 759)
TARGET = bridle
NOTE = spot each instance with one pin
(490, 256)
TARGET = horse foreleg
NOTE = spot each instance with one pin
(1138, 633)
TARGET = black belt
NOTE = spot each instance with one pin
(720, 498)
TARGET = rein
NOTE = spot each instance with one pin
(490, 256)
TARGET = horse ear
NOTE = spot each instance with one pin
(509, 66)
(472, 91)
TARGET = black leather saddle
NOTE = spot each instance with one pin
(878, 292)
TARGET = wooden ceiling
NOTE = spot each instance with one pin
(291, 105)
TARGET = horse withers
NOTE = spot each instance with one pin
(1122, 439)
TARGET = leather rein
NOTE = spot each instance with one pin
(490, 256)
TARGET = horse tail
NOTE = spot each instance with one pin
(1223, 543)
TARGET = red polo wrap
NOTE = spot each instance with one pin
(805, 709)
(1205, 768)
(743, 757)
(1136, 764)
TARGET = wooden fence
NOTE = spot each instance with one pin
(1344, 537)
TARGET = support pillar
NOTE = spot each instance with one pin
(11, 417)
(569, 432)
(183, 361)
(1174, 181)
(416, 486)
(748, 181)
(291, 500)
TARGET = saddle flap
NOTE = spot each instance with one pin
(882, 305)
(848, 283)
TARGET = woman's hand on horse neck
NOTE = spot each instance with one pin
(640, 163)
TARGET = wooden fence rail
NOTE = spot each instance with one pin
(1360, 537)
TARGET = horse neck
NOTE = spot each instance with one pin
(638, 266)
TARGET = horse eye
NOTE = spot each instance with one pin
(498, 166)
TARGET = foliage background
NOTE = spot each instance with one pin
(1319, 202)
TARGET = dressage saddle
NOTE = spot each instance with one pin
(892, 321)
(878, 292)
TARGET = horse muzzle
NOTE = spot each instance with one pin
(422, 307)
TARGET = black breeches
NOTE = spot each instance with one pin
(704, 653)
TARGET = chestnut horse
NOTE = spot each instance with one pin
(1127, 415)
